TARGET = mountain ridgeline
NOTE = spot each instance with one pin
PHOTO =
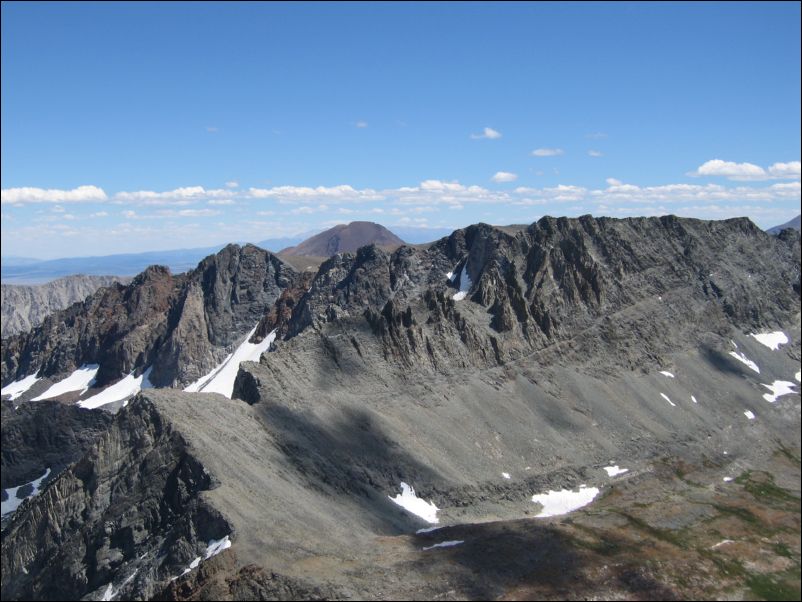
(472, 372)
(181, 325)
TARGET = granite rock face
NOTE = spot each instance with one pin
(181, 326)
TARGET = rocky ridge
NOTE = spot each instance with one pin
(182, 325)
(25, 307)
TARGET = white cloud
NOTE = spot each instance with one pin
(81, 194)
(792, 169)
(596, 135)
(187, 212)
(212, 129)
(487, 133)
(361, 124)
(731, 170)
(221, 202)
(180, 196)
(129, 214)
(232, 184)
(308, 210)
(440, 186)
(547, 152)
(748, 171)
(99, 214)
(294, 194)
(595, 153)
(617, 191)
(504, 176)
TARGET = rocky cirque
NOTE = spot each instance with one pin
(485, 368)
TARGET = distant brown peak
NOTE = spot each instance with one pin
(344, 238)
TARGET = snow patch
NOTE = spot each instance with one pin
(721, 543)
(80, 380)
(445, 544)
(613, 471)
(772, 340)
(18, 387)
(556, 503)
(216, 546)
(415, 505)
(427, 530)
(693, 399)
(798, 376)
(123, 389)
(749, 415)
(213, 549)
(464, 284)
(13, 502)
(727, 479)
(778, 388)
(745, 360)
(221, 379)
(664, 396)
(666, 373)
(506, 475)
(108, 594)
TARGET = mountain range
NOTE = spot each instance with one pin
(418, 421)
(793, 223)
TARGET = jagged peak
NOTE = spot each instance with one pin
(150, 274)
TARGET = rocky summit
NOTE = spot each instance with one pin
(577, 408)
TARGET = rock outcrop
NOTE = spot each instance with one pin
(41, 435)
(124, 519)
(181, 326)
(25, 306)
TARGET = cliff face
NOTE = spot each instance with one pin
(132, 500)
(604, 291)
(180, 325)
(24, 307)
(41, 435)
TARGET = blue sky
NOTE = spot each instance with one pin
(132, 127)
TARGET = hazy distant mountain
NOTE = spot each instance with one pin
(414, 235)
(24, 307)
(129, 264)
(794, 223)
(345, 238)
(277, 244)
(10, 260)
